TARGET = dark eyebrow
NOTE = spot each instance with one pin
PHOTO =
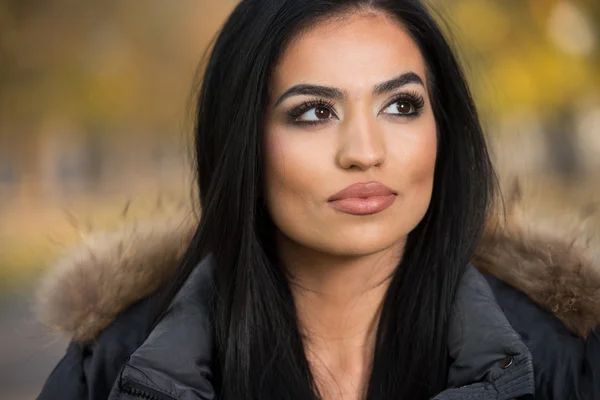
(312, 90)
(337, 94)
(398, 82)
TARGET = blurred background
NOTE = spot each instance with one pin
(94, 118)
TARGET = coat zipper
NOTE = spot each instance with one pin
(141, 392)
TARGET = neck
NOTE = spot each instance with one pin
(338, 301)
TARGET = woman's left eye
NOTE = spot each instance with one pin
(405, 106)
(401, 107)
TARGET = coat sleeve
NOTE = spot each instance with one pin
(589, 387)
(67, 381)
(88, 371)
(85, 372)
(568, 367)
(565, 366)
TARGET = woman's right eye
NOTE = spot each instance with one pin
(312, 112)
(315, 114)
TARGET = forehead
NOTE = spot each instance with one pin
(353, 53)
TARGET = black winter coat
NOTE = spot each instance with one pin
(529, 322)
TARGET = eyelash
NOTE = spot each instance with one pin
(298, 111)
(414, 98)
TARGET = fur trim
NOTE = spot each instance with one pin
(84, 292)
(555, 263)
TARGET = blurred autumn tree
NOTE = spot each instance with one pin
(543, 54)
(536, 57)
(100, 62)
(117, 69)
(95, 72)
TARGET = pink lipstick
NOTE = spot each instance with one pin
(363, 198)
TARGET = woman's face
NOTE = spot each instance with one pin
(349, 106)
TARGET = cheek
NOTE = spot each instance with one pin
(291, 173)
(287, 167)
(425, 156)
(413, 159)
(413, 153)
(286, 181)
(425, 161)
(299, 176)
(298, 163)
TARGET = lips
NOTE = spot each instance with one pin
(363, 198)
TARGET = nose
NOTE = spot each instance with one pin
(362, 144)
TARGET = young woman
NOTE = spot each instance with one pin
(345, 183)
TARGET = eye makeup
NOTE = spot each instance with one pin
(415, 101)
(412, 101)
(295, 113)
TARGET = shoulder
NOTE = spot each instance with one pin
(176, 357)
(89, 369)
(565, 365)
(546, 280)
(100, 296)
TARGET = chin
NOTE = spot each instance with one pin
(355, 245)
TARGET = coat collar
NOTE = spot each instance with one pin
(484, 347)
(168, 362)
(82, 293)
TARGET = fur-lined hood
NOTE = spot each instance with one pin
(556, 265)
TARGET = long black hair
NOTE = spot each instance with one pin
(259, 350)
